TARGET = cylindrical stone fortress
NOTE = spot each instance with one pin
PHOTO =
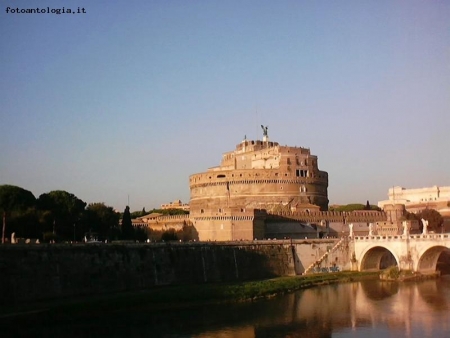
(261, 175)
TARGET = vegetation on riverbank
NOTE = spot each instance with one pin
(187, 295)
(394, 274)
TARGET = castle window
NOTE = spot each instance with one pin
(220, 176)
(301, 173)
(202, 211)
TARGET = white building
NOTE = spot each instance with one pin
(435, 197)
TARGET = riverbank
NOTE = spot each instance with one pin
(393, 274)
(175, 296)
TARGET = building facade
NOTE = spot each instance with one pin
(261, 175)
(257, 175)
(177, 204)
(415, 200)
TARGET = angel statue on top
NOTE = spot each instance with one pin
(265, 132)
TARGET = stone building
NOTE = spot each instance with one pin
(257, 175)
(261, 175)
(264, 190)
(415, 200)
(177, 204)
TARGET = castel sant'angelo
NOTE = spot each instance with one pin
(262, 190)
(261, 175)
(257, 175)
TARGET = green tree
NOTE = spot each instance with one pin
(65, 210)
(25, 223)
(169, 235)
(170, 211)
(355, 206)
(13, 198)
(127, 225)
(434, 218)
(410, 216)
(141, 234)
(350, 207)
(136, 214)
(101, 219)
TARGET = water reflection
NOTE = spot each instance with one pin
(369, 308)
(378, 290)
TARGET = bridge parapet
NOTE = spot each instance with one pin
(403, 237)
(379, 238)
(431, 236)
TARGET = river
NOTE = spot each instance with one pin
(359, 309)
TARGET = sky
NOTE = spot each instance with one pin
(121, 104)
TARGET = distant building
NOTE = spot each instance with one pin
(176, 205)
(159, 222)
(415, 200)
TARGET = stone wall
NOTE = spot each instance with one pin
(228, 224)
(327, 253)
(163, 223)
(38, 272)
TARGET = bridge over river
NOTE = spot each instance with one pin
(419, 253)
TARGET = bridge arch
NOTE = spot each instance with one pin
(378, 258)
(428, 260)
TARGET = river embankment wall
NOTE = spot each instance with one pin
(41, 272)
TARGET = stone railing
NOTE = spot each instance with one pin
(445, 236)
